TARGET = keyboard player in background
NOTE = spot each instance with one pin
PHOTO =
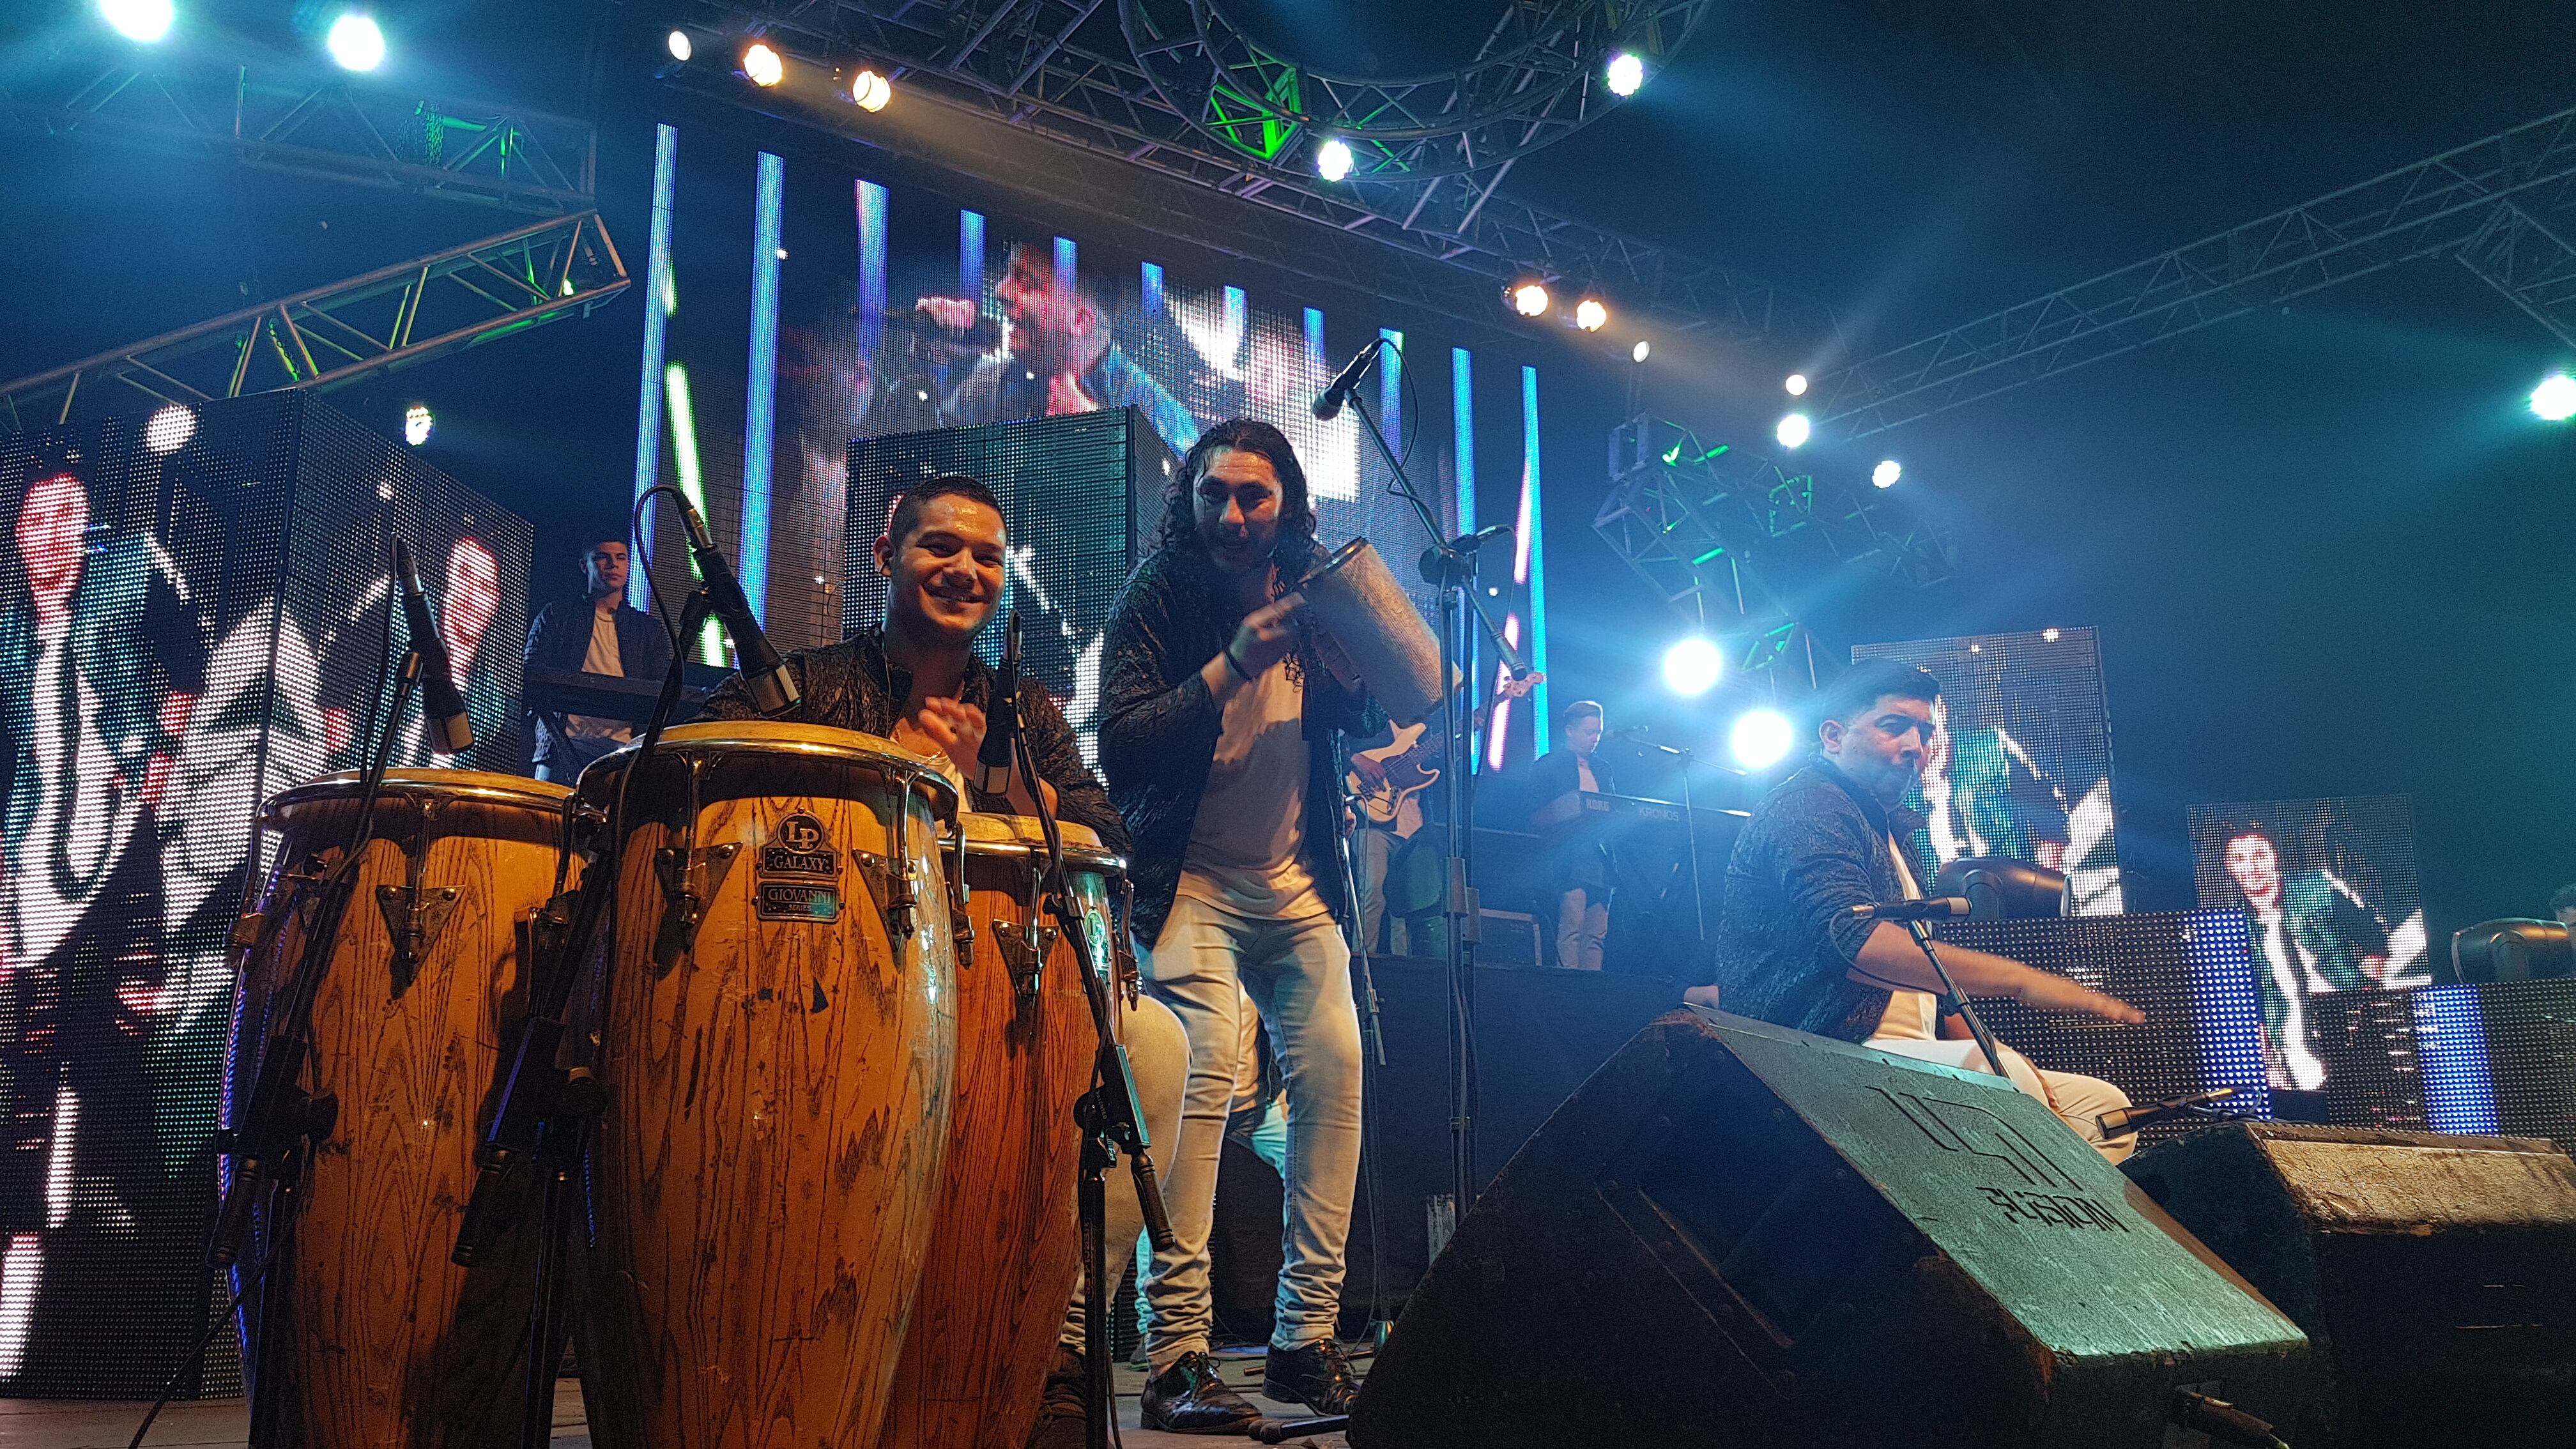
(598, 633)
(1829, 838)
(1578, 860)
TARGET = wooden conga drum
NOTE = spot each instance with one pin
(363, 1334)
(995, 1286)
(775, 1027)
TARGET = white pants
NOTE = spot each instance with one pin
(2077, 1100)
(1158, 1057)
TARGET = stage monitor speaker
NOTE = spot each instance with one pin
(1739, 1235)
(2435, 1275)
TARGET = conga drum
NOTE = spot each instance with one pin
(994, 1289)
(361, 1332)
(775, 1024)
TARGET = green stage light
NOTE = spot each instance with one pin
(2555, 399)
(144, 20)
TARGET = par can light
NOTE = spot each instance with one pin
(761, 65)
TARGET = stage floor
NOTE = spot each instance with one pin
(222, 1423)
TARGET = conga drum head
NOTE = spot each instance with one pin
(776, 1027)
(362, 1331)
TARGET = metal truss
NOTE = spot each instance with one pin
(2503, 206)
(1733, 541)
(461, 150)
(1536, 79)
(347, 332)
(1061, 69)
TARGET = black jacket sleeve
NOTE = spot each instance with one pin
(1079, 795)
(1154, 705)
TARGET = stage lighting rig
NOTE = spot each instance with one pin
(169, 429)
(679, 46)
(870, 91)
(355, 41)
(1886, 473)
(1591, 315)
(1333, 159)
(1641, 351)
(762, 65)
(1530, 299)
(2554, 400)
(1797, 384)
(1625, 73)
(1692, 667)
(417, 424)
(1794, 430)
(1761, 738)
(143, 20)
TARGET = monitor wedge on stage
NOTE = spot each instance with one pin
(2436, 1274)
(1738, 1235)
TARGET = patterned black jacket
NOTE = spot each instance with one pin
(1816, 847)
(1159, 731)
(853, 686)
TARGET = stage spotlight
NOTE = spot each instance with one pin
(1641, 351)
(680, 46)
(2555, 399)
(1626, 73)
(1793, 430)
(870, 91)
(1333, 159)
(1590, 315)
(1797, 384)
(1886, 473)
(762, 65)
(1761, 738)
(355, 42)
(417, 423)
(1692, 667)
(144, 20)
(169, 428)
(1530, 299)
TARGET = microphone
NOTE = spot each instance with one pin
(441, 707)
(983, 336)
(1329, 404)
(1470, 542)
(1939, 908)
(772, 688)
(1629, 732)
(1002, 717)
(2129, 1119)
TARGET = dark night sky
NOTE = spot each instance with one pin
(2325, 548)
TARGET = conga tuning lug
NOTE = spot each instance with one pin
(415, 916)
(890, 882)
(688, 890)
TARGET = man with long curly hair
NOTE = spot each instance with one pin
(1217, 739)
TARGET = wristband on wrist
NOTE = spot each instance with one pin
(1236, 665)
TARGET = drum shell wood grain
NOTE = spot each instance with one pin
(386, 1344)
(778, 1099)
(1004, 1264)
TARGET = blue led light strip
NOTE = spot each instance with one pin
(2451, 1051)
(1462, 393)
(1150, 276)
(1390, 388)
(970, 255)
(1317, 364)
(1534, 542)
(657, 312)
(872, 266)
(2226, 1012)
(760, 395)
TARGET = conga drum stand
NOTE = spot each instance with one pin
(1107, 1115)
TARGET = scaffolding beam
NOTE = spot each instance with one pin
(491, 155)
(1062, 69)
(345, 332)
(2502, 205)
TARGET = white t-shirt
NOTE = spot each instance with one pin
(601, 658)
(1251, 823)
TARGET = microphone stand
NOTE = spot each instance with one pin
(1690, 837)
(1957, 999)
(1453, 571)
(544, 1111)
(1107, 1115)
(268, 1141)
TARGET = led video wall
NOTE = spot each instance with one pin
(2328, 889)
(192, 617)
(2020, 763)
(900, 310)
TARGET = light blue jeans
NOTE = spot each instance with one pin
(1298, 976)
